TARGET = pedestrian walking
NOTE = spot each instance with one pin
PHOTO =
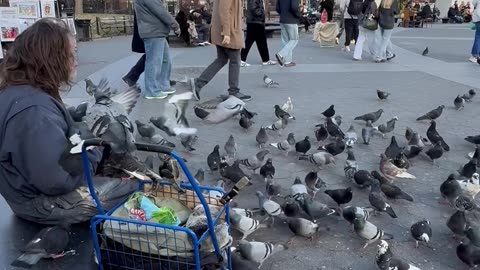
(154, 26)
(289, 19)
(476, 22)
(132, 76)
(366, 33)
(386, 21)
(351, 10)
(256, 33)
(227, 35)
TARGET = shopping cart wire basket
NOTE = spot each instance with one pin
(124, 243)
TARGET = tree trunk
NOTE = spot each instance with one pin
(78, 7)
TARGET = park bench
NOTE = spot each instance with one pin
(110, 26)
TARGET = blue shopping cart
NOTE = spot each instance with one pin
(123, 243)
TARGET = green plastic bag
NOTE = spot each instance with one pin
(165, 215)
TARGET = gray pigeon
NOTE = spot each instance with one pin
(378, 200)
(351, 166)
(272, 188)
(278, 125)
(298, 188)
(146, 131)
(433, 114)
(467, 97)
(256, 161)
(368, 231)
(48, 243)
(382, 95)
(286, 145)
(314, 209)
(231, 147)
(173, 120)
(350, 137)
(313, 183)
(262, 137)
(77, 113)
(188, 141)
(425, 52)
(388, 127)
(258, 252)
(272, 208)
(373, 116)
(268, 81)
(318, 159)
(243, 224)
(303, 227)
(159, 140)
(367, 133)
(213, 159)
(459, 102)
(279, 113)
(222, 112)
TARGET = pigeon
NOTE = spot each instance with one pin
(199, 176)
(401, 161)
(243, 224)
(465, 203)
(158, 139)
(288, 105)
(213, 159)
(382, 95)
(409, 134)
(350, 137)
(267, 169)
(330, 112)
(471, 186)
(458, 224)
(272, 208)
(258, 252)
(393, 150)
(418, 140)
(425, 52)
(280, 114)
(188, 141)
(146, 131)
(473, 139)
(298, 188)
(314, 209)
(378, 201)
(337, 120)
(458, 102)
(262, 137)
(303, 227)
(363, 178)
(473, 234)
(469, 169)
(334, 130)
(391, 171)
(368, 231)
(290, 207)
(388, 127)
(321, 133)
(389, 189)
(351, 166)
(222, 112)
(412, 151)
(476, 155)
(351, 213)
(173, 121)
(230, 147)
(469, 254)
(238, 262)
(433, 114)
(286, 145)
(340, 196)
(171, 171)
(319, 158)
(450, 189)
(233, 173)
(334, 148)
(386, 261)
(272, 188)
(254, 162)
(79, 112)
(269, 82)
(278, 125)
(303, 146)
(467, 97)
(245, 122)
(373, 116)
(421, 232)
(313, 183)
(435, 152)
(49, 242)
(434, 136)
(367, 132)
(242, 211)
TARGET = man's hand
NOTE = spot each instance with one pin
(226, 40)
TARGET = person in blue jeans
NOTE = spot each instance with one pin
(476, 20)
(289, 19)
(154, 25)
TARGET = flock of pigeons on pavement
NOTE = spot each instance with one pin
(106, 117)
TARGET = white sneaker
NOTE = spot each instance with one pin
(206, 43)
(346, 49)
(269, 63)
(472, 59)
(244, 64)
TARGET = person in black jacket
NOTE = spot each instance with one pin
(256, 33)
(327, 5)
(289, 19)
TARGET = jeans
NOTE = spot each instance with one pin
(364, 35)
(203, 32)
(256, 33)
(383, 45)
(289, 41)
(158, 66)
(136, 70)
(224, 55)
(476, 43)
(351, 31)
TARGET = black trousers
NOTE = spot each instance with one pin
(351, 31)
(256, 33)
(136, 70)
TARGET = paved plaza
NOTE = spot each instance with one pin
(323, 76)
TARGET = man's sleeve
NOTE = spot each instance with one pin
(277, 7)
(42, 143)
(157, 8)
(295, 8)
(225, 11)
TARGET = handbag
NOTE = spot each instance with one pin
(370, 23)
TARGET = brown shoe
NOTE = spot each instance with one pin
(289, 64)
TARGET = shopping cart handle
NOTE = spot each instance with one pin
(95, 142)
(153, 148)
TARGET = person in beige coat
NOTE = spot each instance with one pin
(227, 34)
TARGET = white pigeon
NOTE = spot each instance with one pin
(288, 106)
(268, 81)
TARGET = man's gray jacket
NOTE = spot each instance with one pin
(154, 21)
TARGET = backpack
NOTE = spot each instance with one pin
(355, 7)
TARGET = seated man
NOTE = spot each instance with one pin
(426, 12)
(202, 18)
(453, 15)
(34, 132)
